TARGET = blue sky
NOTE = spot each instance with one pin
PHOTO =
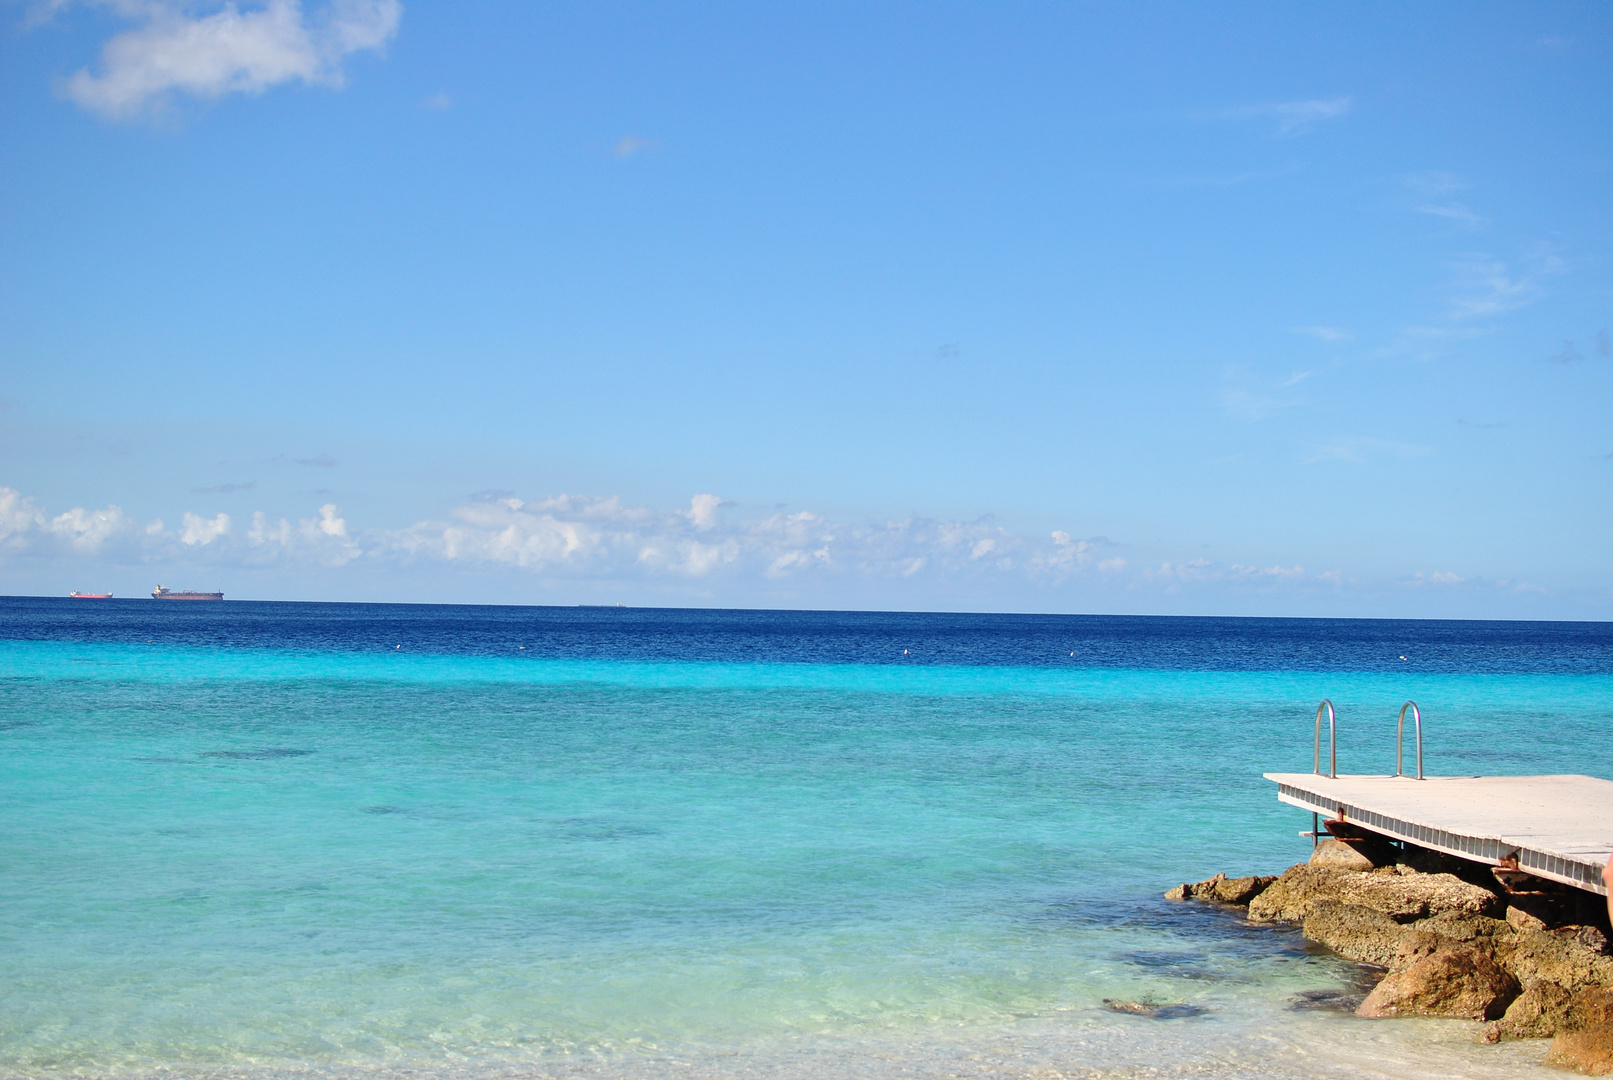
(1243, 310)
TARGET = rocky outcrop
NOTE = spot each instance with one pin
(1573, 957)
(1452, 947)
(1399, 892)
(1365, 935)
(1338, 855)
(1588, 1050)
(1519, 919)
(1222, 889)
(1459, 927)
(1585, 1043)
(1537, 1013)
(1463, 982)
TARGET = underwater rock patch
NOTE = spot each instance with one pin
(1153, 1010)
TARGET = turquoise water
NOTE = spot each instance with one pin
(232, 860)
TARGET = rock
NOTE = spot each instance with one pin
(1519, 919)
(1401, 893)
(1324, 1000)
(1357, 933)
(1291, 897)
(1537, 1013)
(1415, 946)
(1460, 927)
(1591, 1006)
(1337, 855)
(1223, 890)
(1152, 1009)
(1461, 983)
(1573, 957)
(1588, 1050)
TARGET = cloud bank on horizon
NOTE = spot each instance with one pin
(680, 553)
(174, 49)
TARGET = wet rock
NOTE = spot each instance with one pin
(1154, 1010)
(1463, 982)
(1537, 1013)
(1588, 1050)
(1338, 855)
(1223, 890)
(1324, 1001)
(1401, 893)
(1573, 957)
(1362, 934)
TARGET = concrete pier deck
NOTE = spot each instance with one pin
(1557, 827)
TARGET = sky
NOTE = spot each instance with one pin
(1241, 309)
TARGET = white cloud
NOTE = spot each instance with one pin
(1251, 406)
(330, 521)
(1277, 573)
(19, 517)
(226, 51)
(1295, 117)
(1455, 213)
(87, 530)
(1324, 333)
(703, 511)
(705, 546)
(1249, 400)
(1360, 449)
(324, 539)
(1486, 287)
(200, 531)
(1434, 184)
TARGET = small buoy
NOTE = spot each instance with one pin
(1072, 654)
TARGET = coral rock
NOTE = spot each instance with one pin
(1402, 894)
(1589, 1007)
(1223, 890)
(1587, 1050)
(1519, 919)
(1461, 983)
(1357, 933)
(1573, 957)
(1337, 855)
(1537, 1013)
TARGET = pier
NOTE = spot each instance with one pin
(1555, 827)
(1559, 828)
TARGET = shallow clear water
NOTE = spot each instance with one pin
(261, 839)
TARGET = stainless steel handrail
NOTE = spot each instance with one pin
(1333, 740)
(1400, 736)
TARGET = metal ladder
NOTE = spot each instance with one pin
(1333, 750)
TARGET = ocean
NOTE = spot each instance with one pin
(345, 840)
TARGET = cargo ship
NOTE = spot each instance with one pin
(162, 593)
(90, 595)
